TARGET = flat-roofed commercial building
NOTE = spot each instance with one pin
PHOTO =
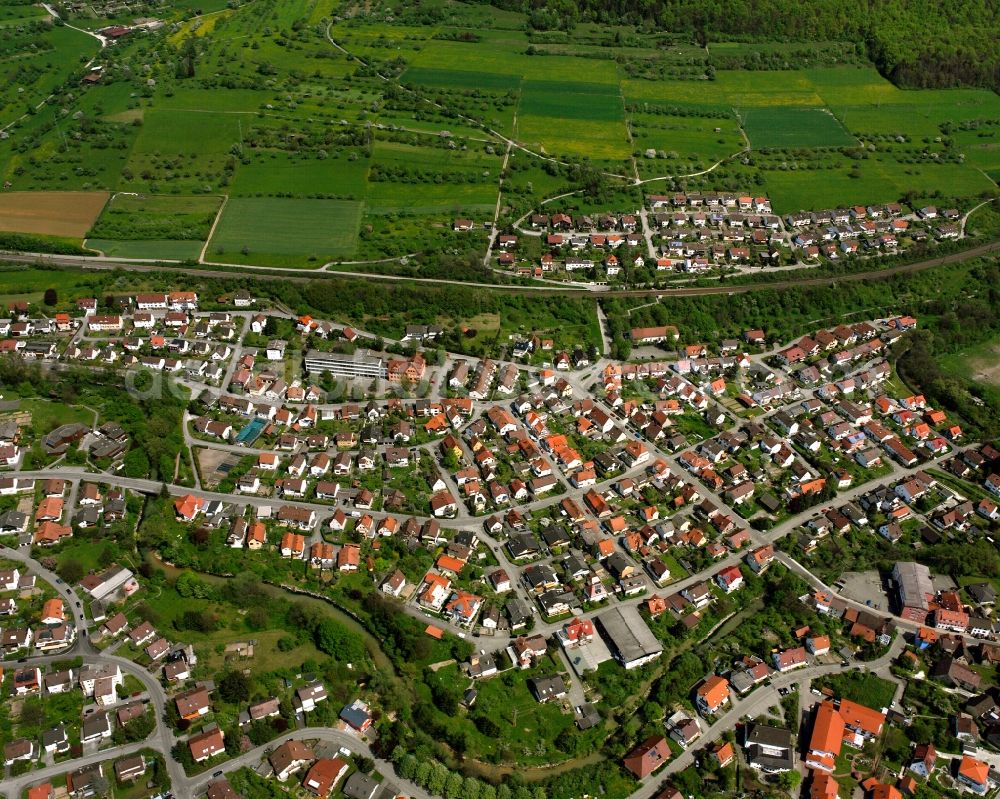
(359, 364)
(913, 583)
(630, 640)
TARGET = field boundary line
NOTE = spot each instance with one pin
(211, 230)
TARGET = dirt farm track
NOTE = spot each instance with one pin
(67, 214)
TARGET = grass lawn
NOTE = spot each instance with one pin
(862, 687)
(295, 227)
(526, 729)
(267, 657)
(46, 416)
(979, 362)
(210, 647)
(84, 551)
(677, 572)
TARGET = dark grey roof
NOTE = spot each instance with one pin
(547, 687)
(360, 786)
(982, 592)
(768, 736)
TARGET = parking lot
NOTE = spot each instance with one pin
(865, 587)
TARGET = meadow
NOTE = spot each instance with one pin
(980, 362)
(804, 189)
(137, 217)
(147, 249)
(182, 151)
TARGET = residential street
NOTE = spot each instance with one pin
(718, 411)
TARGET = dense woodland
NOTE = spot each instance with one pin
(915, 43)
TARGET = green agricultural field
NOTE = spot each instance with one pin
(488, 58)
(252, 227)
(460, 79)
(852, 86)
(280, 173)
(593, 139)
(439, 156)
(804, 189)
(709, 139)
(424, 198)
(913, 121)
(169, 131)
(794, 127)
(729, 90)
(916, 120)
(190, 98)
(589, 101)
(428, 180)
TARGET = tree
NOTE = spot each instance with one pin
(136, 463)
(51, 297)
(364, 764)
(422, 774)
(789, 780)
(453, 785)
(235, 687)
(621, 348)
(437, 778)
(71, 571)
(407, 767)
(190, 585)
(257, 618)
(335, 639)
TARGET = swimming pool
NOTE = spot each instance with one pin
(251, 432)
